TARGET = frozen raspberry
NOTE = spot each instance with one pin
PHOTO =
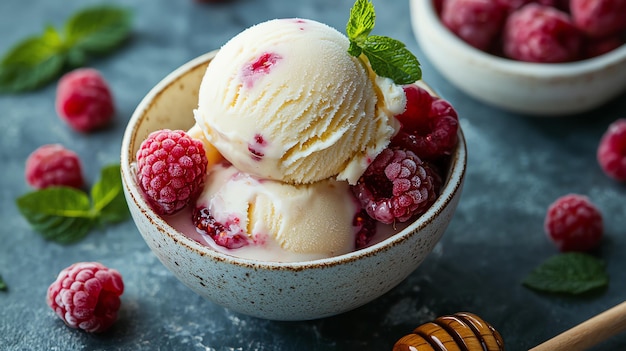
(599, 18)
(573, 223)
(477, 22)
(84, 100)
(86, 295)
(597, 47)
(562, 5)
(228, 235)
(612, 151)
(171, 169)
(53, 165)
(366, 229)
(397, 186)
(537, 33)
(513, 5)
(429, 125)
(438, 6)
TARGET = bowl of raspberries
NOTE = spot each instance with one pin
(161, 141)
(532, 57)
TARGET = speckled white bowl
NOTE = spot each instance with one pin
(272, 290)
(522, 87)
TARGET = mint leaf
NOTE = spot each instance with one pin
(60, 214)
(390, 58)
(108, 196)
(3, 285)
(361, 21)
(354, 49)
(38, 60)
(34, 50)
(98, 30)
(32, 63)
(570, 273)
(66, 215)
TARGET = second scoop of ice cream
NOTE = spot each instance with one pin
(284, 100)
(313, 220)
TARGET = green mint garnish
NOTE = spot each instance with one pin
(65, 215)
(38, 60)
(3, 285)
(388, 57)
(569, 273)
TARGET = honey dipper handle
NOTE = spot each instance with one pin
(588, 333)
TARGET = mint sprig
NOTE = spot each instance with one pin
(388, 57)
(38, 60)
(65, 215)
(569, 273)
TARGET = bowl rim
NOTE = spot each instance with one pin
(453, 185)
(539, 70)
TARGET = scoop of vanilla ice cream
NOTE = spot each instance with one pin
(308, 219)
(284, 100)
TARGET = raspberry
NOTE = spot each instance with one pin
(562, 5)
(397, 186)
(429, 125)
(611, 152)
(226, 235)
(599, 18)
(573, 223)
(537, 33)
(84, 100)
(53, 165)
(477, 22)
(366, 228)
(86, 295)
(513, 5)
(171, 169)
(597, 47)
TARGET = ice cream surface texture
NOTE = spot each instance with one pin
(283, 100)
(313, 220)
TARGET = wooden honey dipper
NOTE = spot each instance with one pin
(467, 332)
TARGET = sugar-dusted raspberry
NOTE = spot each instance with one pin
(599, 18)
(365, 229)
(477, 22)
(171, 168)
(600, 46)
(574, 223)
(537, 33)
(513, 5)
(562, 5)
(86, 295)
(429, 125)
(84, 100)
(611, 152)
(53, 165)
(397, 186)
(224, 234)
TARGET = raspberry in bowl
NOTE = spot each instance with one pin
(283, 242)
(543, 58)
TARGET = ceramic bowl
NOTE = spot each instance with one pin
(527, 88)
(272, 290)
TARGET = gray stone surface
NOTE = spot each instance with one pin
(517, 166)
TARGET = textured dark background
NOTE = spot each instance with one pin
(517, 167)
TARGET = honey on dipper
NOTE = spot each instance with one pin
(461, 331)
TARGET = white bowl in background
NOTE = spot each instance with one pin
(539, 89)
